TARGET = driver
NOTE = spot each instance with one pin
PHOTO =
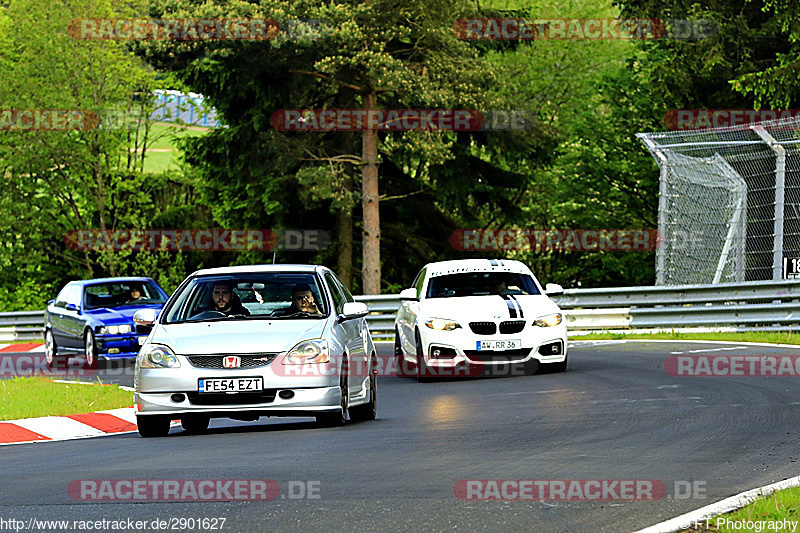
(226, 301)
(136, 294)
(302, 301)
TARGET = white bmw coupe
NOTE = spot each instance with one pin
(478, 314)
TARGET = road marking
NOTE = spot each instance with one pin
(633, 400)
(726, 349)
(537, 392)
(669, 387)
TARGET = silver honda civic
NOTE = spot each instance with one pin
(249, 341)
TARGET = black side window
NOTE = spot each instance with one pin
(61, 299)
(74, 295)
(419, 281)
(347, 296)
(336, 292)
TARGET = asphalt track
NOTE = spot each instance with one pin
(615, 414)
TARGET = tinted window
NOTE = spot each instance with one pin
(347, 296)
(481, 284)
(261, 294)
(122, 293)
(419, 281)
(61, 299)
(74, 295)
(336, 293)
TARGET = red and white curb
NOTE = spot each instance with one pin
(22, 348)
(55, 428)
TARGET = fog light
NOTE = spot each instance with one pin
(553, 348)
(286, 394)
(178, 398)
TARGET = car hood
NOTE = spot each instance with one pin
(488, 308)
(237, 336)
(118, 315)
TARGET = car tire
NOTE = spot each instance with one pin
(550, 368)
(339, 417)
(195, 424)
(423, 370)
(404, 370)
(51, 357)
(153, 426)
(368, 411)
(89, 350)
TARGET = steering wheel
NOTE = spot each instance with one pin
(210, 313)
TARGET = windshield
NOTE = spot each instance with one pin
(480, 284)
(284, 295)
(122, 293)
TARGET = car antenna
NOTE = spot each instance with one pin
(273, 257)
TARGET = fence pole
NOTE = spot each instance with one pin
(780, 191)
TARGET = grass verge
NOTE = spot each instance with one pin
(28, 397)
(764, 514)
(774, 337)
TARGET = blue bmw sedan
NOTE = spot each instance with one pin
(94, 319)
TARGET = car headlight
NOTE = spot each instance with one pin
(547, 321)
(311, 351)
(157, 356)
(442, 324)
(114, 330)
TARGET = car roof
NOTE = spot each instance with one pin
(85, 282)
(441, 268)
(258, 268)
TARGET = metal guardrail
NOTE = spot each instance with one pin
(754, 306)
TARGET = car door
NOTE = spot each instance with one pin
(72, 318)
(352, 336)
(56, 313)
(410, 312)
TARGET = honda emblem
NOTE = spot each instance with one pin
(231, 361)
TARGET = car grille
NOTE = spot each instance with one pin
(512, 326)
(483, 328)
(503, 355)
(247, 361)
(238, 398)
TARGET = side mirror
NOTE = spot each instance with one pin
(351, 310)
(553, 289)
(409, 294)
(144, 317)
(72, 307)
(50, 301)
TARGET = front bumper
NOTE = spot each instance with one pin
(174, 391)
(458, 347)
(124, 346)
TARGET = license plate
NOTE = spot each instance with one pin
(142, 341)
(514, 344)
(230, 384)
